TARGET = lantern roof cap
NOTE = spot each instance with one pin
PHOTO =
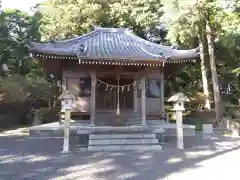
(67, 95)
(178, 97)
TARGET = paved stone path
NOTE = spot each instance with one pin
(39, 159)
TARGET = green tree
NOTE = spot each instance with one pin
(16, 29)
(21, 80)
(63, 19)
(185, 27)
(206, 20)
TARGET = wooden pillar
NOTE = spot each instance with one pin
(135, 98)
(93, 99)
(162, 91)
(143, 101)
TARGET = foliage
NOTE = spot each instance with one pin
(21, 80)
(45, 114)
(20, 94)
(62, 19)
(185, 20)
(16, 29)
(21, 88)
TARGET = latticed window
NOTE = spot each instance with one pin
(85, 87)
(79, 86)
(152, 88)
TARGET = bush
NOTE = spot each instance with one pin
(7, 121)
(20, 88)
(20, 94)
(48, 115)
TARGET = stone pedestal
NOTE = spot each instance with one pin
(179, 130)
(66, 132)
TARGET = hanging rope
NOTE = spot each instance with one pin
(118, 87)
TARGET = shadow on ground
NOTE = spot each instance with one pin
(40, 158)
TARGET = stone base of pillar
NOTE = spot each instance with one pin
(92, 125)
(65, 152)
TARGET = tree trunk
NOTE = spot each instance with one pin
(215, 83)
(19, 66)
(203, 57)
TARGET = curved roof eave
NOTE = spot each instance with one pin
(185, 54)
(112, 42)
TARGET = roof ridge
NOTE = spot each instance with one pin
(148, 42)
(82, 37)
(111, 29)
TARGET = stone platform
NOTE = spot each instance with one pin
(111, 138)
(56, 130)
(114, 129)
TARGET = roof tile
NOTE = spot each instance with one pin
(112, 43)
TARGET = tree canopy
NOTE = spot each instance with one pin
(62, 19)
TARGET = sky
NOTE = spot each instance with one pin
(23, 5)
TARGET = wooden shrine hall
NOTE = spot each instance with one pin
(117, 77)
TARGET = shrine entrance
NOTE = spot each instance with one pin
(107, 96)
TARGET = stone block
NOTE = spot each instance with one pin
(158, 130)
(207, 128)
(155, 122)
(186, 132)
(82, 140)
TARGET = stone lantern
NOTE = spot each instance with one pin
(67, 99)
(179, 100)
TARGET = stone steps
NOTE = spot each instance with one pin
(123, 141)
(121, 136)
(146, 147)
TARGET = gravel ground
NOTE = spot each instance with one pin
(214, 157)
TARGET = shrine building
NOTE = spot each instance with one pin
(112, 73)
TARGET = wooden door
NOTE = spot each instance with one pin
(107, 96)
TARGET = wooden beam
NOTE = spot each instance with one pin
(135, 98)
(162, 91)
(105, 69)
(143, 101)
(93, 98)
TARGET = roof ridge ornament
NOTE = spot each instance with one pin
(80, 49)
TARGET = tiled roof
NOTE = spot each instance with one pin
(114, 43)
